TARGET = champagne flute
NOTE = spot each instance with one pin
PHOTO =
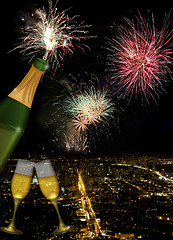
(49, 186)
(20, 187)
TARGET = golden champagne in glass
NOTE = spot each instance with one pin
(49, 186)
(20, 187)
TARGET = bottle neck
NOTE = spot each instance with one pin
(25, 91)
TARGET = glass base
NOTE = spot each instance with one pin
(62, 230)
(11, 230)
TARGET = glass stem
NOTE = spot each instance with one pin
(55, 203)
(17, 201)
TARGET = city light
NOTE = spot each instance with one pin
(87, 207)
(102, 201)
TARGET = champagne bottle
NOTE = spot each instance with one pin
(15, 108)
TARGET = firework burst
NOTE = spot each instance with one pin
(81, 111)
(90, 107)
(53, 33)
(139, 58)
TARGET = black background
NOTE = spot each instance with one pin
(143, 128)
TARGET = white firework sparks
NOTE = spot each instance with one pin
(53, 33)
(90, 107)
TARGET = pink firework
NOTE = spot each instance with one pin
(139, 58)
(80, 123)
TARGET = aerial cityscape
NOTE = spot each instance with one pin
(125, 197)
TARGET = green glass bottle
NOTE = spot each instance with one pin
(14, 110)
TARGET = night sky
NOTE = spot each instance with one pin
(143, 128)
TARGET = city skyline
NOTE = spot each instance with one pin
(103, 198)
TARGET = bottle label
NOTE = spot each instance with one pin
(25, 91)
